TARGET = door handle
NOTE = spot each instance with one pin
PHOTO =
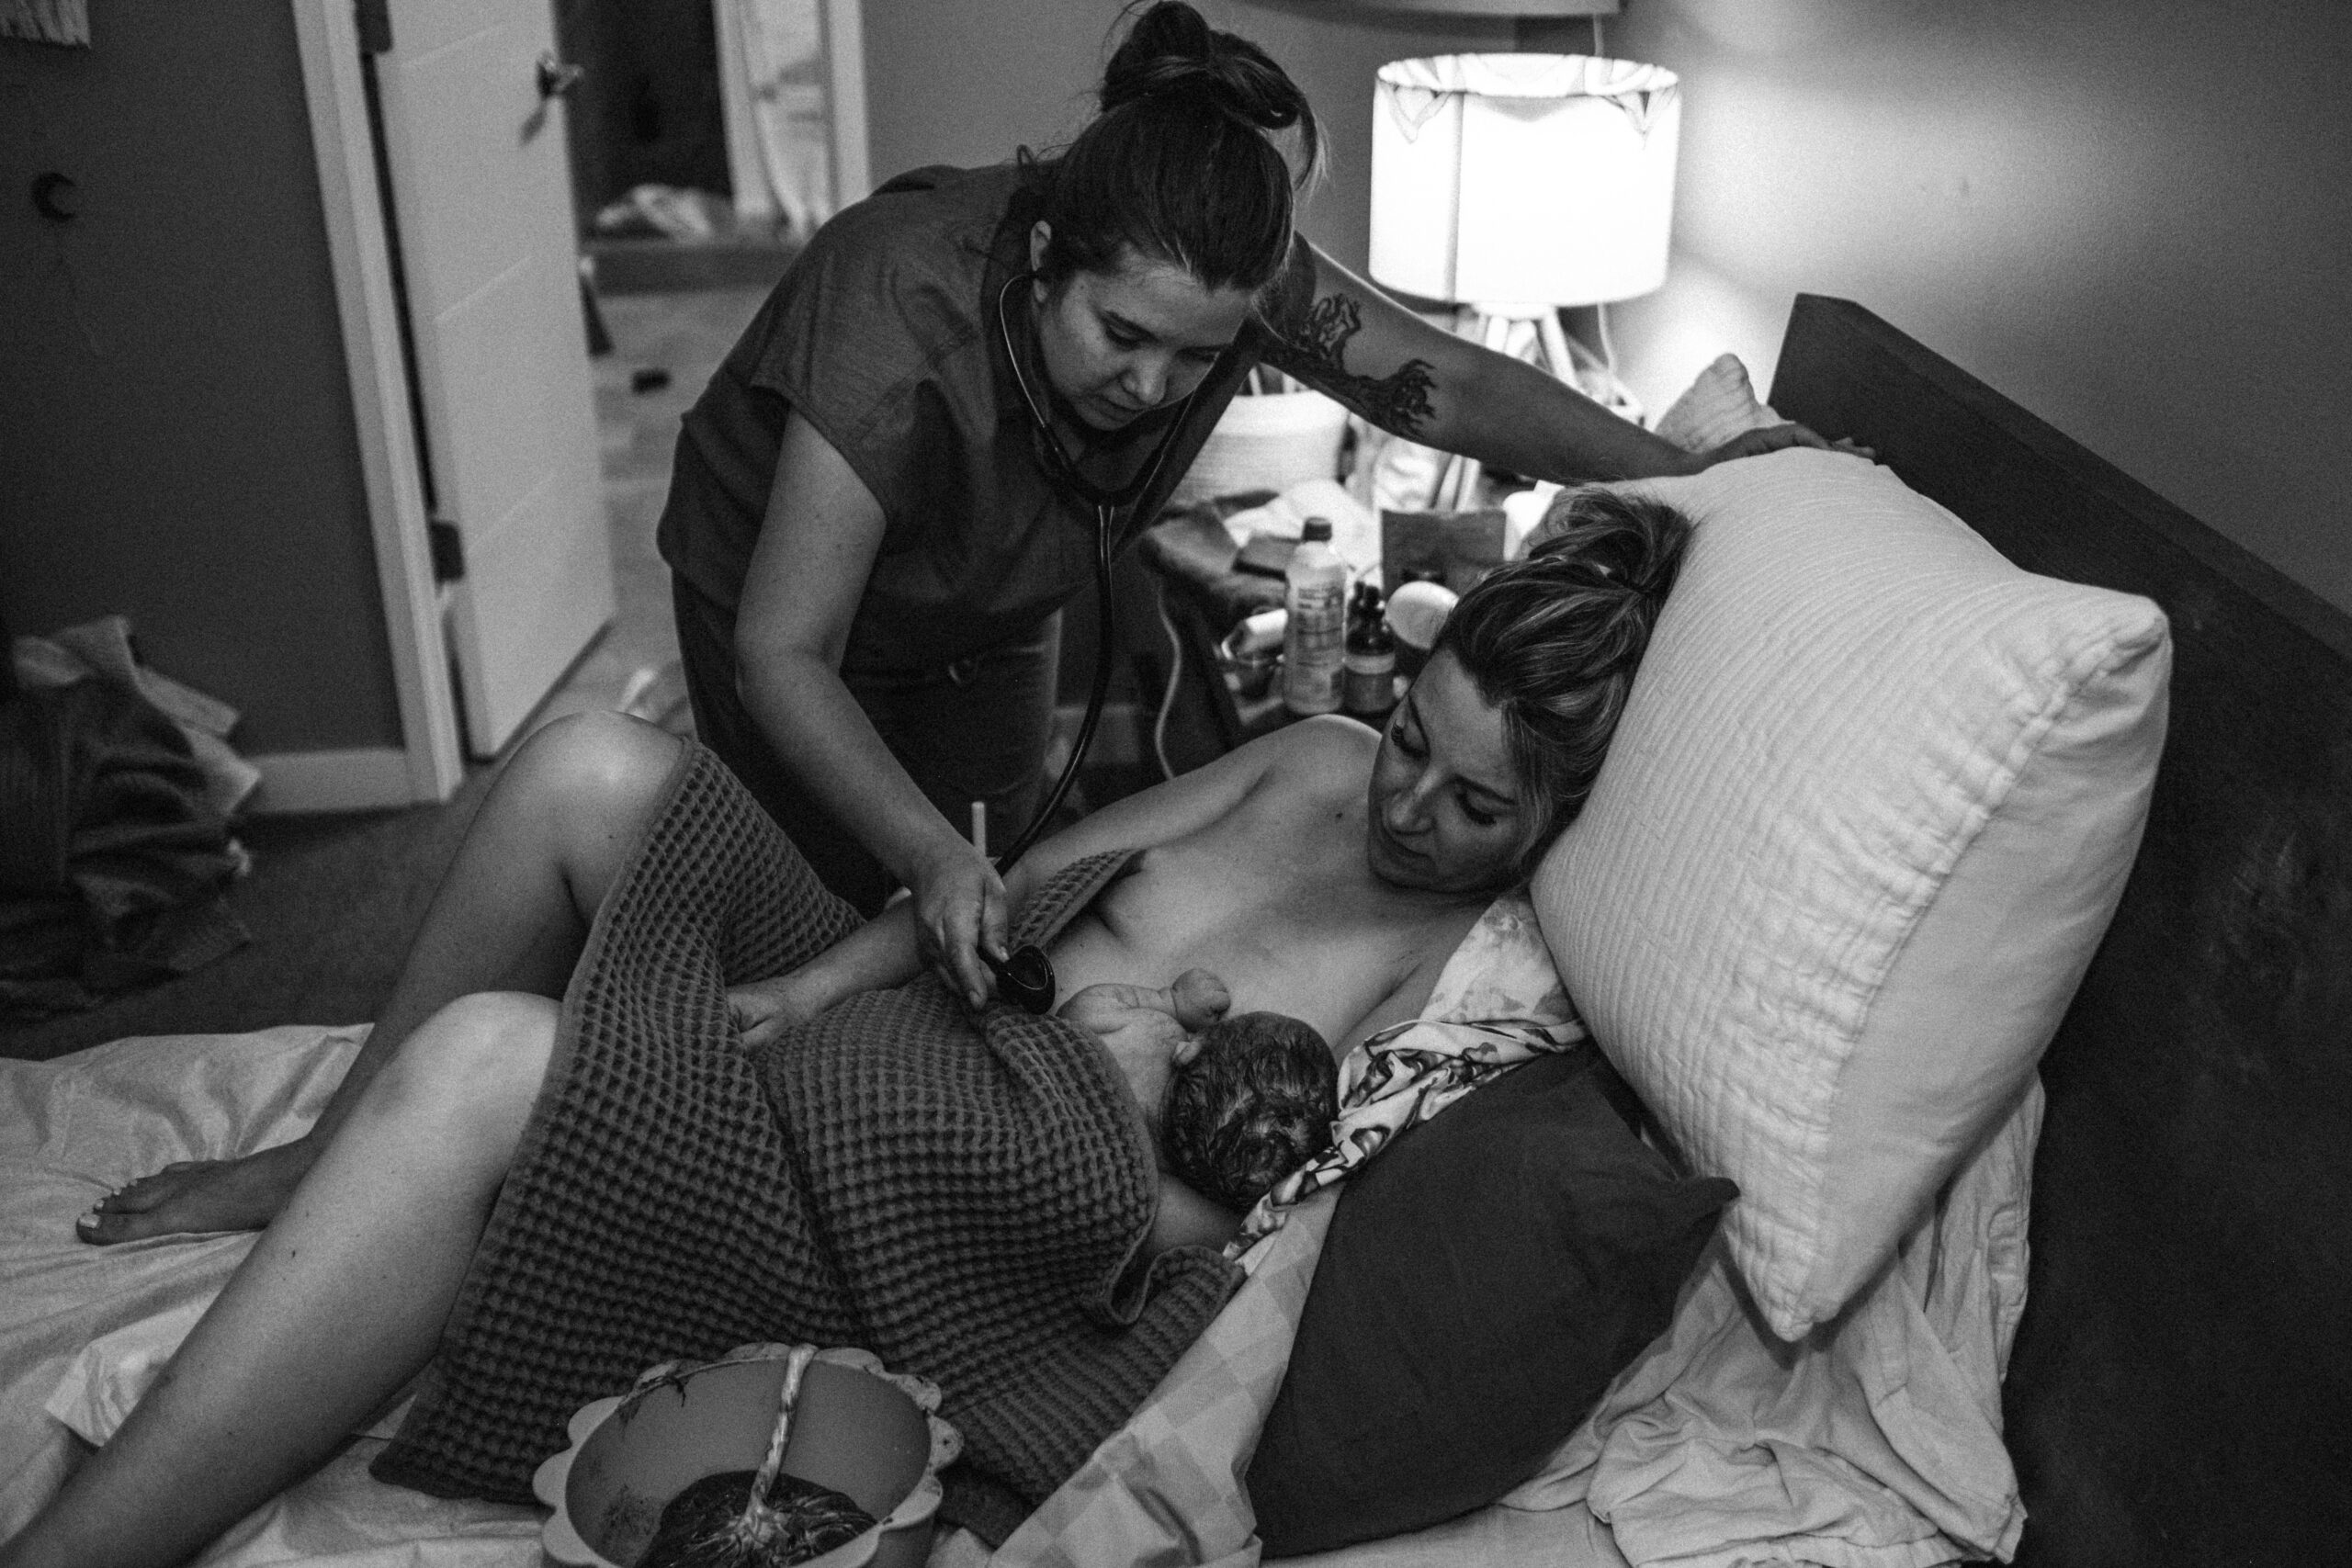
(557, 76)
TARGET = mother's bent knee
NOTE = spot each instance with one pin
(473, 1069)
(603, 767)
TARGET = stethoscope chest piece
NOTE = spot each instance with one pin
(1025, 979)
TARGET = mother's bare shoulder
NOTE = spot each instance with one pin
(1329, 749)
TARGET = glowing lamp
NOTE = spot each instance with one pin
(1520, 183)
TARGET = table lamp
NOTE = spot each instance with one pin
(1517, 183)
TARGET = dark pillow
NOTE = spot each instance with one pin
(1482, 1283)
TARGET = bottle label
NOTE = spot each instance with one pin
(1312, 646)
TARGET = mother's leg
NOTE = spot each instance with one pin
(511, 915)
(339, 1304)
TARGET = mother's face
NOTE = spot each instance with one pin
(1117, 344)
(1443, 810)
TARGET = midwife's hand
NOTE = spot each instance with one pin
(766, 1008)
(1147, 1021)
(959, 905)
(1773, 438)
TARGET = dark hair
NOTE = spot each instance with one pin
(1553, 641)
(1179, 165)
(1251, 1108)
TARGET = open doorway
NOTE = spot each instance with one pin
(710, 137)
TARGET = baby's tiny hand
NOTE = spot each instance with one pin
(1120, 1013)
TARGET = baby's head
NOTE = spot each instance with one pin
(1253, 1103)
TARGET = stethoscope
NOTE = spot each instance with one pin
(1026, 978)
(1107, 503)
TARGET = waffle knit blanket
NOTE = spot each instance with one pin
(966, 1201)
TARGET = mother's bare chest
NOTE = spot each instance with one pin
(1291, 922)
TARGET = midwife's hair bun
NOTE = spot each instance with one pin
(1188, 163)
(1172, 51)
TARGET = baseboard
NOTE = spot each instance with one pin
(363, 779)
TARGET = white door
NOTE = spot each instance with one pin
(481, 197)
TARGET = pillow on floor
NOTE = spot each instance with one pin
(1481, 1284)
(1874, 798)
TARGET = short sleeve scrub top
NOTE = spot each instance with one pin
(884, 335)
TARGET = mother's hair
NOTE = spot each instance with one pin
(1181, 164)
(1553, 641)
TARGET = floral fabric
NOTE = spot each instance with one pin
(1499, 1002)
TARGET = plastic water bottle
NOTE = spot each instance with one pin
(1315, 635)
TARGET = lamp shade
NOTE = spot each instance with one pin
(1523, 179)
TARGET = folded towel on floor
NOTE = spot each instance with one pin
(112, 869)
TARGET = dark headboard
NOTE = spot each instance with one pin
(2181, 1387)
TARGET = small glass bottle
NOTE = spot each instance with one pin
(1313, 635)
(1368, 690)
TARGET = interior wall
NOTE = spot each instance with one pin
(176, 438)
(2129, 215)
(966, 84)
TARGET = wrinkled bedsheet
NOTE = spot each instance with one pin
(1875, 1445)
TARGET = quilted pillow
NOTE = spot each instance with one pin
(1481, 1283)
(1872, 802)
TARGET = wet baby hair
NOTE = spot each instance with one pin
(1255, 1103)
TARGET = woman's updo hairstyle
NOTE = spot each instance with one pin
(1553, 641)
(1181, 164)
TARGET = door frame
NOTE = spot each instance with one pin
(344, 146)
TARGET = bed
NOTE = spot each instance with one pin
(2175, 1387)
(2178, 1390)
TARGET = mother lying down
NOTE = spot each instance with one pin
(557, 1196)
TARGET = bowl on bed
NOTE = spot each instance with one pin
(859, 1429)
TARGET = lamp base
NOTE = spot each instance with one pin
(1531, 332)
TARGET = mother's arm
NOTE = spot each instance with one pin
(1413, 379)
(885, 950)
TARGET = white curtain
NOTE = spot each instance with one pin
(781, 79)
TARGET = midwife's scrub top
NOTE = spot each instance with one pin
(884, 335)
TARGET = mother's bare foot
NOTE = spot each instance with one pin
(200, 1195)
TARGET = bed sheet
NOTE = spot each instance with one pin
(1874, 1443)
(1874, 1446)
(84, 1330)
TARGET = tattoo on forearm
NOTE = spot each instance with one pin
(1310, 348)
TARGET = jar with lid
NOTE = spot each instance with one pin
(1368, 689)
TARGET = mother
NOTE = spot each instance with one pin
(1324, 871)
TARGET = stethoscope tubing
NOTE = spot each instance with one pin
(1106, 503)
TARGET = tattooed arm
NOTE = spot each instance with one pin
(1344, 337)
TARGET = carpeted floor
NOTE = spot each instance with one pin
(332, 904)
(334, 901)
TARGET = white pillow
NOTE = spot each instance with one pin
(1874, 798)
(1715, 408)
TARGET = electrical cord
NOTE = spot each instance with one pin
(1168, 693)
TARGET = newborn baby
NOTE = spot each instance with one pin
(1253, 1104)
(1236, 1104)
